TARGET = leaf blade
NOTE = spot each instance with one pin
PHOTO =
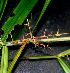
(64, 65)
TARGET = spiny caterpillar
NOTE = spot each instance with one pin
(33, 39)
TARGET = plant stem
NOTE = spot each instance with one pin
(55, 39)
(37, 57)
(44, 40)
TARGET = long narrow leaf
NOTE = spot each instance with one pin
(64, 65)
(24, 7)
(42, 12)
(2, 7)
(4, 60)
(64, 53)
(16, 57)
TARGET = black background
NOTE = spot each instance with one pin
(57, 15)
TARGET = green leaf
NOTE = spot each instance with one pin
(21, 11)
(64, 53)
(42, 12)
(64, 65)
(16, 56)
(4, 59)
(2, 7)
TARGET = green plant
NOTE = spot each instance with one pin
(19, 19)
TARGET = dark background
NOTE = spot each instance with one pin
(57, 15)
